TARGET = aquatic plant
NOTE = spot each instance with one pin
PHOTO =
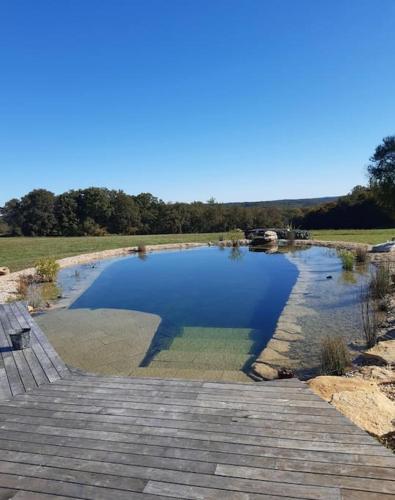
(361, 254)
(47, 269)
(369, 317)
(348, 259)
(34, 296)
(334, 356)
(380, 282)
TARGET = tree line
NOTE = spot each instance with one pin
(98, 211)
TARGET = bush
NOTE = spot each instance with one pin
(47, 269)
(347, 259)
(141, 248)
(334, 356)
(370, 323)
(380, 282)
(361, 254)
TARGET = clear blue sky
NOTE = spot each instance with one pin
(241, 100)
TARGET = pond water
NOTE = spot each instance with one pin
(219, 306)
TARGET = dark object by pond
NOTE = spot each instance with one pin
(329, 277)
(20, 339)
(285, 373)
(282, 233)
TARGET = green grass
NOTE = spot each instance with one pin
(20, 253)
(370, 236)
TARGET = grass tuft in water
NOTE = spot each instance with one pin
(370, 323)
(380, 282)
(334, 356)
(348, 259)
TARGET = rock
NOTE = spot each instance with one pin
(30, 308)
(376, 374)
(326, 386)
(360, 400)
(382, 354)
(370, 410)
(270, 236)
(389, 246)
(279, 345)
(266, 372)
(4, 271)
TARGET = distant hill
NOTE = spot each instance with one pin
(286, 203)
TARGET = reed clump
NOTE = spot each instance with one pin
(380, 282)
(361, 254)
(369, 317)
(348, 259)
(334, 356)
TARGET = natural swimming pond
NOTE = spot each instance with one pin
(218, 307)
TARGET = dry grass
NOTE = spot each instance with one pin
(334, 356)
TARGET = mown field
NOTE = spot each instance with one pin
(19, 253)
(371, 236)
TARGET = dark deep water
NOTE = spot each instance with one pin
(221, 304)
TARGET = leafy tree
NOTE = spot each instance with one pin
(66, 212)
(382, 171)
(12, 216)
(125, 217)
(37, 210)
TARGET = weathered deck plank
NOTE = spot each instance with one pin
(73, 435)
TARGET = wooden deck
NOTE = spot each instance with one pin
(67, 435)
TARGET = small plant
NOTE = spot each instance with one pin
(370, 323)
(34, 296)
(23, 284)
(141, 248)
(235, 236)
(361, 254)
(334, 356)
(380, 282)
(47, 269)
(348, 259)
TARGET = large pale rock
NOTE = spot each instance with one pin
(358, 399)
(371, 410)
(4, 271)
(383, 353)
(265, 371)
(270, 236)
(376, 374)
(326, 386)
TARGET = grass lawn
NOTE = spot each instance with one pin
(19, 253)
(371, 236)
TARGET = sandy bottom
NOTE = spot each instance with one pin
(105, 341)
(114, 342)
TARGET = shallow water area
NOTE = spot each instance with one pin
(199, 313)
